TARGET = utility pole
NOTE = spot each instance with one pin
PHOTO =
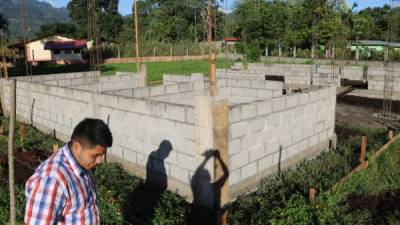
(138, 60)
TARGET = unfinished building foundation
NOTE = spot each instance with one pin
(166, 129)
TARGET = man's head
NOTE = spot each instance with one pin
(89, 141)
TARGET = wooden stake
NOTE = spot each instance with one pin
(220, 112)
(390, 135)
(311, 194)
(55, 148)
(213, 77)
(363, 149)
(13, 220)
(22, 133)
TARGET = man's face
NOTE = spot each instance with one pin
(88, 157)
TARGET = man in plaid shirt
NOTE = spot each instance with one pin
(62, 190)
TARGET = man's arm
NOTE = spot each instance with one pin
(44, 201)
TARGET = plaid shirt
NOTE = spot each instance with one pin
(61, 192)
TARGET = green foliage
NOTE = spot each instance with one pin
(107, 11)
(67, 29)
(5, 203)
(39, 13)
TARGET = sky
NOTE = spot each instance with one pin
(125, 6)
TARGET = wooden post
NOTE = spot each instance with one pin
(13, 220)
(170, 50)
(4, 63)
(311, 194)
(55, 148)
(138, 69)
(220, 112)
(363, 149)
(154, 51)
(22, 133)
(213, 79)
(390, 135)
(187, 51)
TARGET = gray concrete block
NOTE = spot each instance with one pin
(264, 107)
(257, 125)
(179, 174)
(248, 142)
(265, 163)
(248, 111)
(234, 176)
(278, 104)
(239, 160)
(239, 129)
(234, 146)
(249, 170)
(257, 153)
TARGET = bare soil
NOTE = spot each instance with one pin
(25, 164)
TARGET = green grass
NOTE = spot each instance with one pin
(155, 70)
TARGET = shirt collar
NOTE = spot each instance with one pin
(76, 168)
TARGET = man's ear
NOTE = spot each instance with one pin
(76, 146)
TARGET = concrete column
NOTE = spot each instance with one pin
(266, 51)
(357, 53)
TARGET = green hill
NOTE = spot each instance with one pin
(38, 13)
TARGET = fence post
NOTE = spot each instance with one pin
(363, 149)
(390, 135)
(13, 220)
(55, 148)
(311, 194)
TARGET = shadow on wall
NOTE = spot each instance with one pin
(206, 193)
(147, 196)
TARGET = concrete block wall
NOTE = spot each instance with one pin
(376, 78)
(271, 131)
(58, 76)
(139, 126)
(173, 79)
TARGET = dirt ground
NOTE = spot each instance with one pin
(24, 163)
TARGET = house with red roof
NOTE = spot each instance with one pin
(53, 49)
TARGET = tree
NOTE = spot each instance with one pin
(110, 20)
(62, 28)
(3, 42)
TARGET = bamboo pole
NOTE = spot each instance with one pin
(311, 194)
(13, 220)
(55, 148)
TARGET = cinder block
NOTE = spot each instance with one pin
(179, 174)
(265, 163)
(257, 125)
(249, 170)
(249, 141)
(234, 176)
(248, 111)
(278, 104)
(239, 160)
(187, 162)
(286, 141)
(257, 153)
(264, 107)
(239, 129)
(273, 120)
(292, 101)
(292, 150)
(129, 155)
(175, 112)
(235, 114)
(234, 146)
(157, 90)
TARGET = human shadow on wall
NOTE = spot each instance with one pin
(206, 194)
(147, 196)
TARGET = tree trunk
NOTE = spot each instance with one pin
(13, 220)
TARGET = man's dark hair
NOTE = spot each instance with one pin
(92, 132)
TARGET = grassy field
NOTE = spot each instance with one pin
(155, 70)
